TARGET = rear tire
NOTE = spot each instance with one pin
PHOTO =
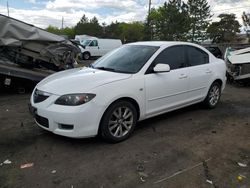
(213, 96)
(118, 121)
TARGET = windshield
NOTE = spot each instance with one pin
(85, 42)
(126, 59)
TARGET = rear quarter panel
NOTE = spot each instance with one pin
(219, 70)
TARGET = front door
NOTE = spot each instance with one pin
(94, 48)
(168, 90)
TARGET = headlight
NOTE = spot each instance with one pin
(74, 99)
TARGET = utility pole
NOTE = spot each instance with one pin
(149, 10)
(8, 11)
(62, 22)
(149, 6)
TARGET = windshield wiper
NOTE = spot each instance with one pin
(112, 70)
(105, 68)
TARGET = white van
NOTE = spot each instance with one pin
(95, 47)
(81, 38)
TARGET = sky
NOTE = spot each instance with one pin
(43, 13)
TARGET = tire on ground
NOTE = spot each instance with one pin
(209, 102)
(86, 56)
(104, 129)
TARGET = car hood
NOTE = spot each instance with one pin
(78, 80)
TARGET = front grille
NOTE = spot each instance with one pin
(245, 69)
(42, 121)
(39, 96)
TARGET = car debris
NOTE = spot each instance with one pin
(27, 165)
(209, 181)
(53, 171)
(238, 64)
(140, 168)
(142, 179)
(6, 162)
(185, 170)
(143, 174)
(242, 164)
(240, 177)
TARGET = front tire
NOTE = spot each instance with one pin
(86, 55)
(213, 95)
(118, 121)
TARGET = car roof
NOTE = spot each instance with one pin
(165, 44)
(162, 43)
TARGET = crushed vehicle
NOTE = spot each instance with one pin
(238, 64)
(31, 53)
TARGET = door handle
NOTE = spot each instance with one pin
(182, 76)
(208, 71)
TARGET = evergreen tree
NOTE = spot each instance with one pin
(170, 21)
(199, 12)
(113, 30)
(246, 23)
(225, 30)
(89, 27)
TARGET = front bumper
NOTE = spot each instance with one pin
(70, 121)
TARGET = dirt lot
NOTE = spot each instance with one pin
(179, 149)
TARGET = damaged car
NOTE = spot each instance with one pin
(27, 52)
(238, 64)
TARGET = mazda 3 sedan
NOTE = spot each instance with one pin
(132, 83)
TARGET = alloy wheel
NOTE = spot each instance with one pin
(214, 95)
(120, 122)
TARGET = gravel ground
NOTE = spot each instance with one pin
(184, 148)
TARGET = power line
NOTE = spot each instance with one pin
(230, 9)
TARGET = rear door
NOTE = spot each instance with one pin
(200, 72)
(167, 90)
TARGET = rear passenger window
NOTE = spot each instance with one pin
(196, 56)
(173, 56)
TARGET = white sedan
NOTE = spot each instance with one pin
(132, 83)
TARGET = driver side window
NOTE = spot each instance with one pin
(173, 56)
(93, 43)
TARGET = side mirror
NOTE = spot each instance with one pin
(161, 68)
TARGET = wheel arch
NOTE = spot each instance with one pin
(129, 99)
(218, 80)
(205, 101)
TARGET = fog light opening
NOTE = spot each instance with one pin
(66, 126)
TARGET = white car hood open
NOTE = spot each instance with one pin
(80, 80)
(240, 56)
